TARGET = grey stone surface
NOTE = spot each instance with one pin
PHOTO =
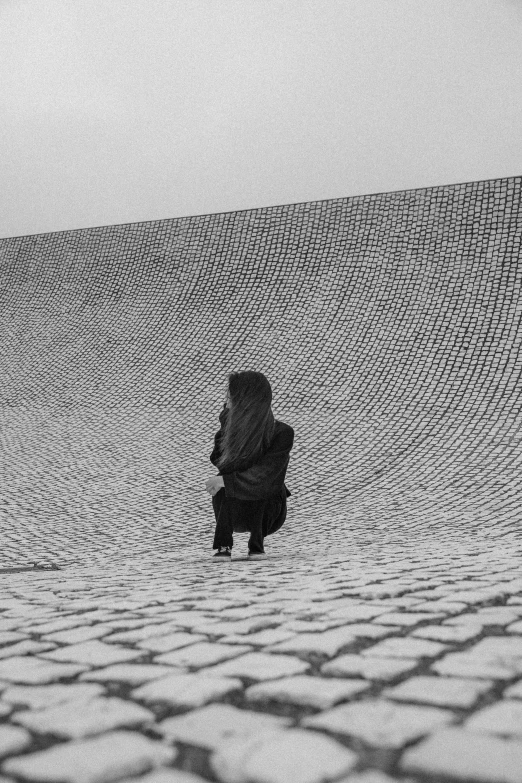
(372, 668)
(80, 718)
(209, 727)
(187, 690)
(294, 755)
(40, 696)
(201, 654)
(301, 689)
(260, 666)
(13, 739)
(132, 673)
(440, 691)
(380, 723)
(96, 760)
(461, 755)
(504, 718)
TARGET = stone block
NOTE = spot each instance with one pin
(321, 643)
(34, 670)
(82, 633)
(96, 760)
(447, 633)
(380, 723)
(379, 669)
(440, 691)
(260, 666)
(186, 690)
(407, 619)
(39, 696)
(270, 636)
(308, 691)
(26, 647)
(293, 755)
(132, 673)
(201, 654)
(171, 641)
(461, 755)
(515, 691)
(398, 647)
(78, 719)
(93, 653)
(211, 726)
(13, 739)
(504, 717)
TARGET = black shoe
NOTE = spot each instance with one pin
(256, 555)
(223, 552)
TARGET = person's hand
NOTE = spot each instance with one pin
(214, 484)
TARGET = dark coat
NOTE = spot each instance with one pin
(264, 479)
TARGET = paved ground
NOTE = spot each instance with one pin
(396, 663)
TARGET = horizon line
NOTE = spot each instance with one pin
(253, 209)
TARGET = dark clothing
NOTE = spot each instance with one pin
(254, 496)
(258, 517)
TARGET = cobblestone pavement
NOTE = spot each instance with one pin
(366, 665)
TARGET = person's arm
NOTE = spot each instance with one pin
(266, 477)
(216, 451)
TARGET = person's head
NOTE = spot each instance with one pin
(249, 425)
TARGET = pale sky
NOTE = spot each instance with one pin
(115, 111)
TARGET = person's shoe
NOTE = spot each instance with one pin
(256, 555)
(223, 552)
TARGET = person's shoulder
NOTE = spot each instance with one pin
(281, 426)
(283, 431)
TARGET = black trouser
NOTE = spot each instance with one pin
(258, 517)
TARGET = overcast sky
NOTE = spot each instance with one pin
(114, 111)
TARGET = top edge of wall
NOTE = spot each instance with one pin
(269, 207)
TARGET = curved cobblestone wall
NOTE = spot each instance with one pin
(388, 325)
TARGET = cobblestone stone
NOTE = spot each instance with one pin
(370, 776)
(165, 776)
(93, 652)
(40, 696)
(25, 648)
(265, 638)
(461, 755)
(515, 691)
(260, 666)
(209, 727)
(186, 690)
(380, 669)
(293, 755)
(502, 718)
(80, 634)
(95, 760)
(13, 739)
(309, 691)
(380, 723)
(172, 641)
(465, 665)
(405, 648)
(132, 673)
(440, 691)
(201, 654)
(77, 719)
(443, 633)
(34, 670)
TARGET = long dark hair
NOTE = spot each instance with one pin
(248, 427)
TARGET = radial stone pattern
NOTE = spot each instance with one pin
(388, 326)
